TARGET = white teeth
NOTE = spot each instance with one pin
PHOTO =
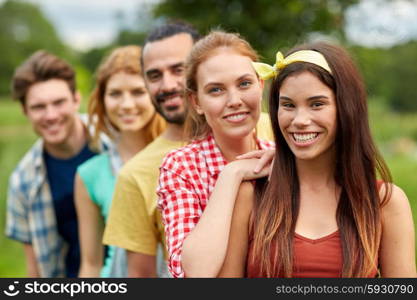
(236, 117)
(304, 137)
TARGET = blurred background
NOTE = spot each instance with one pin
(381, 35)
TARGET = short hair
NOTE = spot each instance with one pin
(196, 125)
(122, 59)
(171, 29)
(168, 30)
(40, 66)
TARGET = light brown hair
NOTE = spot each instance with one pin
(40, 66)
(122, 59)
(196, 126)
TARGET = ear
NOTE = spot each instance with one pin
(194, 102)
(261, 83)
(24, 109)
(77, 99)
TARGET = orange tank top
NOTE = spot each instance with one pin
(312, 258)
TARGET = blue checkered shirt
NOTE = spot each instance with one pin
(31, 215)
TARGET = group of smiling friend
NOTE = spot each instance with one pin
(193, 179)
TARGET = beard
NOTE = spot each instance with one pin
(175, 115)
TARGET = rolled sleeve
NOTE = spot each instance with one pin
(17, 221)
(180, 209)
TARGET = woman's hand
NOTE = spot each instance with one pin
(264, 158)
(245, 169)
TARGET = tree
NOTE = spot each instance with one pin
(269, 25)
(390, 74)
(23, 30)
(402, 76)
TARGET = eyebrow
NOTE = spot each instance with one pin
(180, 64)
(220, 83)
(132, 87)
(151, 71)
(312, 98)
(43, 104)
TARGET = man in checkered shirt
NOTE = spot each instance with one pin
(40, 205)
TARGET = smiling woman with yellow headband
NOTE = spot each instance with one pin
(323, 212)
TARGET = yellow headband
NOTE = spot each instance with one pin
(266, 71)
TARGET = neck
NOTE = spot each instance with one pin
(231, 148)
(174, 132)
(317, 173)
(72, 145)
(130, 143)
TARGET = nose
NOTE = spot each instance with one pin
(127, 102)
(234, 99)
(302, 118)
(169, 82)
(51, 113)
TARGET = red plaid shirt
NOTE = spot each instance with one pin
(186, 181)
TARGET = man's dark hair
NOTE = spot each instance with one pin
(41, 66)
(167, 30)
(171, 29)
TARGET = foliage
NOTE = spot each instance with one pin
(92, 58)
(267, 25)
(390, 74)
(23, 30)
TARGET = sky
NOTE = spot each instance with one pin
(84, 24)
(382, 23)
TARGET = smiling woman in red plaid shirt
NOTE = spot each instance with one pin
(199, 182)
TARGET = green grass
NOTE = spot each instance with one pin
(16, 137)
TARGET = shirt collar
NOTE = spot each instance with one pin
(214, 157)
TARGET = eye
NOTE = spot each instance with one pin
(59, 102)
(138, 92)
(114, 94)
(317, 104)
(37, 107)
(286, 104)
(245, 83)
(153, 76)
(214, 90)
(179, 70)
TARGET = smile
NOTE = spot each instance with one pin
(238, 117)
(128, 118)
(305, 138)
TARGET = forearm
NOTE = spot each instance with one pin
(90, 231)
(204, 249)
(90, 269)
(140, 265)
(234, 264)
(31, 263)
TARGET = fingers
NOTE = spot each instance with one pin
(270, 169)
(265, 160)
(252, 154)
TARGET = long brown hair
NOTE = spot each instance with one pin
(357, 165)
(122, 59)
(196, 125)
